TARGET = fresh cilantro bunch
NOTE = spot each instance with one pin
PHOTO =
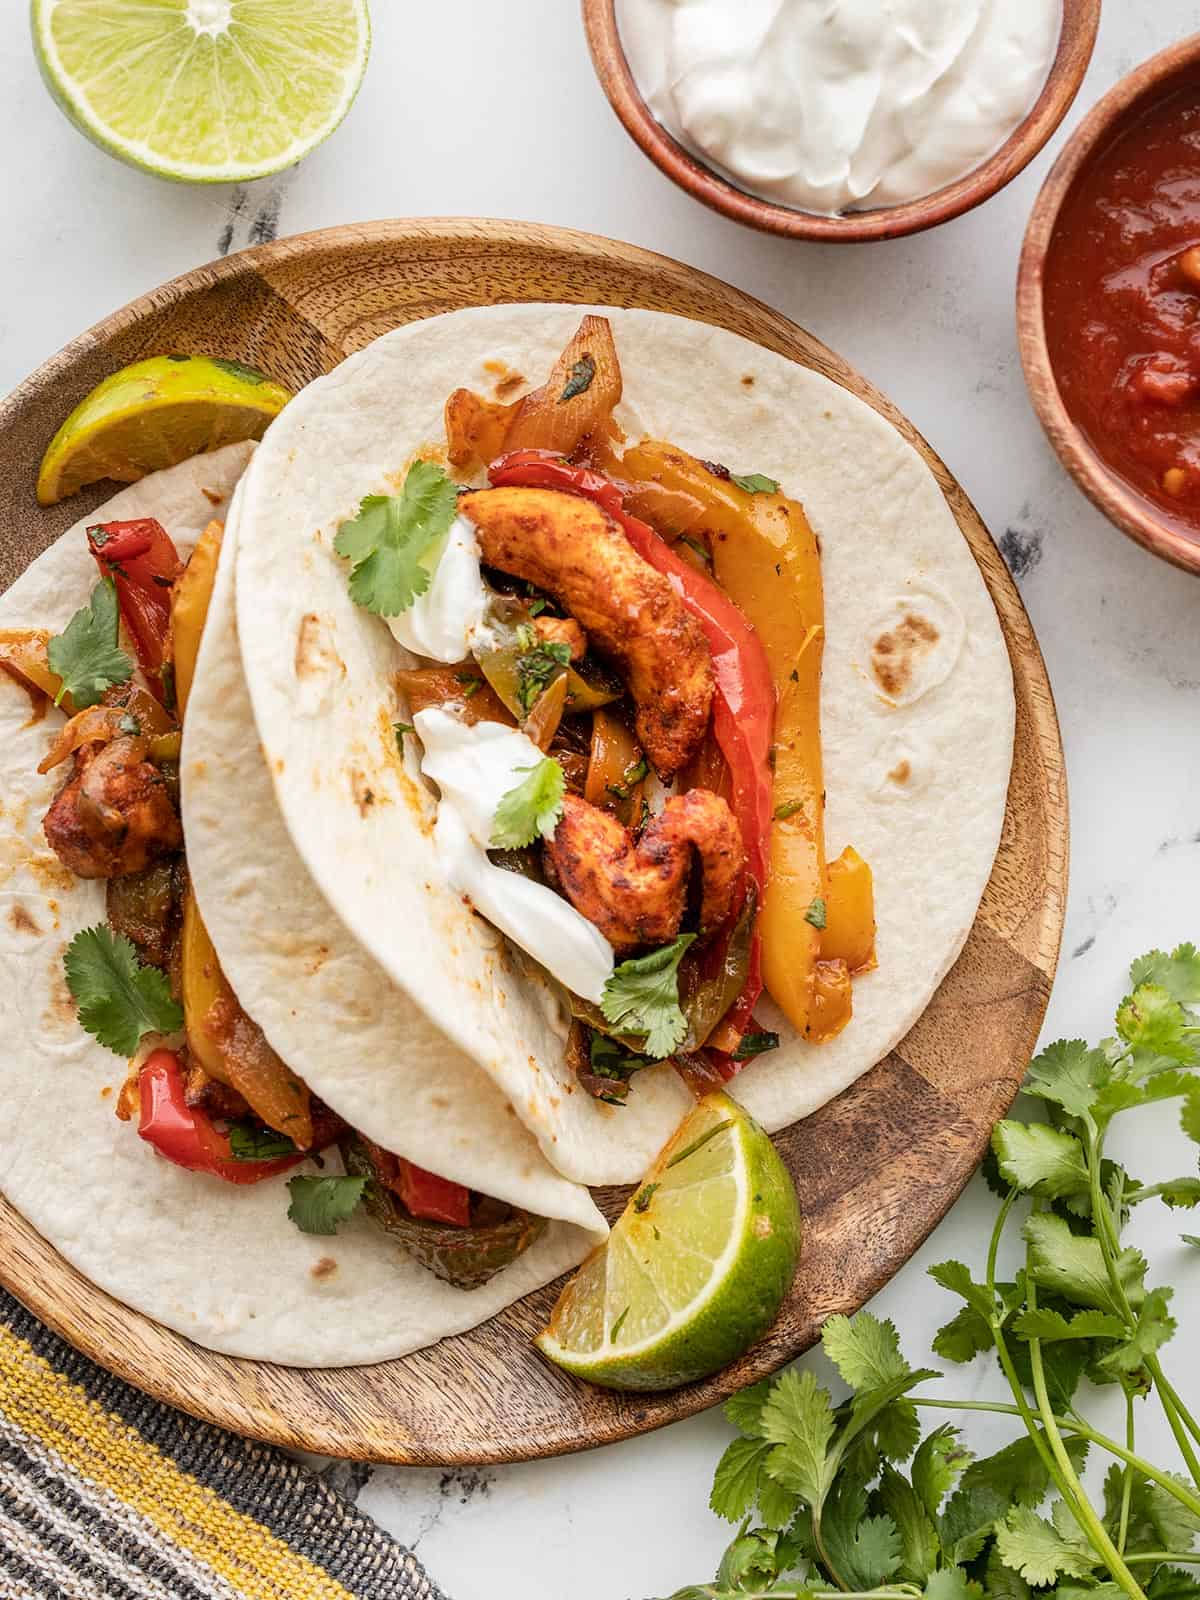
(835, 1499)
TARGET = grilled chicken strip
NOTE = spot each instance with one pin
(636, 893)
(630, 612)
(113, 815)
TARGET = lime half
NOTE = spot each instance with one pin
(696, 1268)
(155, 414)
(203, 91)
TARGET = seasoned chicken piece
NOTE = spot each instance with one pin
(562, 630)
(114, 815)
(636, 893)
(630, 612)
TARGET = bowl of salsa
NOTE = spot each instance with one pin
(1108, 304)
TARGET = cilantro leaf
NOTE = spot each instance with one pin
(531, 807)
(798, 1419)
(249, 1142)
(1068, 1074)
(1177, 973)
(735, 1484)
(935, 1467)
(642, 997)
(952, 1275)
(1039, 1159)
(919, 1543)
(754, 483)
(865, 1350)
(1034, 1547)
(320, 1204)
(865, 1550)
(1126, 1361)
(120, 1001)
(87, 654)
(392, 537)
(1052, 1325)
(400, 729)
(1152, 1024)
(1002, 1583)
(1157, 1521)
(964, 1337)
(744, 1409)
(951, 1583)
(1073, 1264)
(538, 664)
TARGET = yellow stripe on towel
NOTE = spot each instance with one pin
(107, 1451)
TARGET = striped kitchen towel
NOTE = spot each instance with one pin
(104, 1493)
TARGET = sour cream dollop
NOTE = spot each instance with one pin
(827, 105)
(440, 623)
(474, 768)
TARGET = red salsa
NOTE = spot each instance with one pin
(1122, 305)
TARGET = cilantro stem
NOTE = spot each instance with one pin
(1081, 1507)
(1104, 1224)
(1127, 1476)
(1146, 1558)
(1101, 1440)
(1006, 1361)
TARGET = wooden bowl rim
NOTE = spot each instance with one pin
(1077, 38)
(322, 1409)
(1120, 502)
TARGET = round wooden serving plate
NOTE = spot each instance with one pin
(876, 1169)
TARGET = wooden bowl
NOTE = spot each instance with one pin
(1080, 21)
(876, 1168)
(1121, 503)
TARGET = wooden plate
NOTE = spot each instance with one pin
(876, 1169)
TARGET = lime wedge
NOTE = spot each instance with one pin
(155, 414)
(203, 91)
(696, 1268)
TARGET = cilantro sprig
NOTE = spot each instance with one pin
(320, 1205)
(87, 654)
(642, 997)
(845, 1496)
(392, 537)
(531, 807)
(120, 1000)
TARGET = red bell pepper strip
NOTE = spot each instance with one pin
(744, 704)
(142, 560)
(185, 1135)
(427, 1195)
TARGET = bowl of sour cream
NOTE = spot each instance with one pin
(841, 119)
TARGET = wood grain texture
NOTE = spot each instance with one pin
(1171, 69)
(876, 1169)
(1081, 18)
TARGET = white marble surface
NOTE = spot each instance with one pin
(482, 109)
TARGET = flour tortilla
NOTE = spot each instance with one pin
(222, 1265)
(916, 765)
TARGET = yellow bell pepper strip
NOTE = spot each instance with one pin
(849, 933)
(229, 1046)
(189, 610)
(765, 557)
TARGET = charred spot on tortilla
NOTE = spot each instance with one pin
(22, 920)
(748, 380)
(895, 653)
(211, 495)
(901, 772)
(324, 1268)
(364, 795)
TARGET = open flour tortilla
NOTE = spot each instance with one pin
(916, 763)
(220, 1264)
